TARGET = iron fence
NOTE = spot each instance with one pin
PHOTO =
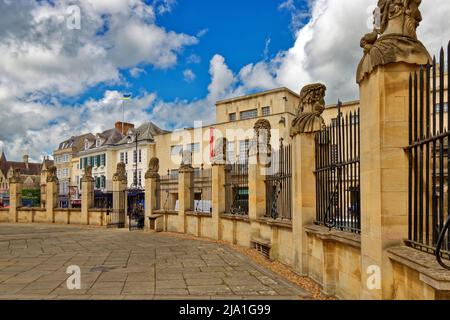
(338, 173)
(168, 192)
(429, 160)
(279, 184)
(103, 199)
(203, 190)
(115, 212)
(236, 187)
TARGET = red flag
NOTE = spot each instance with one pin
(211, 142)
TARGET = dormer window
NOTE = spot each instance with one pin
(98, 142)
(86, 144)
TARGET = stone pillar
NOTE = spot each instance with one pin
(87, 195)
(119, 194)
(304, 127)
(152, 182)
(51, 190)
(185, 190)
(383, 76)
(15, 195)
(303, 196)
(259, 163)
(217, 187)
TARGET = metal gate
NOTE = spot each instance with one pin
(136, 209)
(114, 204)
(338, 173)
(278, 185)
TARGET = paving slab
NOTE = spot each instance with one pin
(119, 264)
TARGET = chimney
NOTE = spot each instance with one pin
(123, 127)
(25, 160)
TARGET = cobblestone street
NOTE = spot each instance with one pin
(119, 264)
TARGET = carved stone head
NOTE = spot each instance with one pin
(220, 151)
(120, 172)
(87, 174)
(310, 109)
(262, 136)
(153, 168)
(51, 175)
(186, 160)
(16, 176)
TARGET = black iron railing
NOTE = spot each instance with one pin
(429, 160)
(236, 188)
(168, 191)
(279, 184)
(338, 173)
(203, 190)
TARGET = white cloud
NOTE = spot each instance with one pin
(165, 6)
(189, 75)
(42, 61)
(327, 50)
(193, 59)
(135, 72)
(222, 78)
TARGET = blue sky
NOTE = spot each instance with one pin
(238, 30)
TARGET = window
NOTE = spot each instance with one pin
(126, 157)
(140, 178)
(232, 116)
(193, 147)
(140, 156)
(134, 156)
(266, 111)
(122, 157)
(103, 182)
(176, 150)
(86, 145)
(354, 118)
(98, 143)
(103, 157)
(243, 150)
(81, 163)
(249, 114)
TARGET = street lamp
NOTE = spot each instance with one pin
(133, 136)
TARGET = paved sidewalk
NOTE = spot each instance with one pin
(119, 264)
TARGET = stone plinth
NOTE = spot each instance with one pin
(303, 196)
(384, 171)
(185, 195)
(218, 197)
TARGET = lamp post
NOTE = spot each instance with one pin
(135, 185)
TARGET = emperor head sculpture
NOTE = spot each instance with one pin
(309, 111)
(220, 151)
(394, 37)
(51, 176)
(153, 168)
(120, 174)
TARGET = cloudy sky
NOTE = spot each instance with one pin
(176, 58)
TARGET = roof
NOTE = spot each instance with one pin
(33, 169)
(146, 132)
(257, 94)
(110, 136)
(76, 142)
